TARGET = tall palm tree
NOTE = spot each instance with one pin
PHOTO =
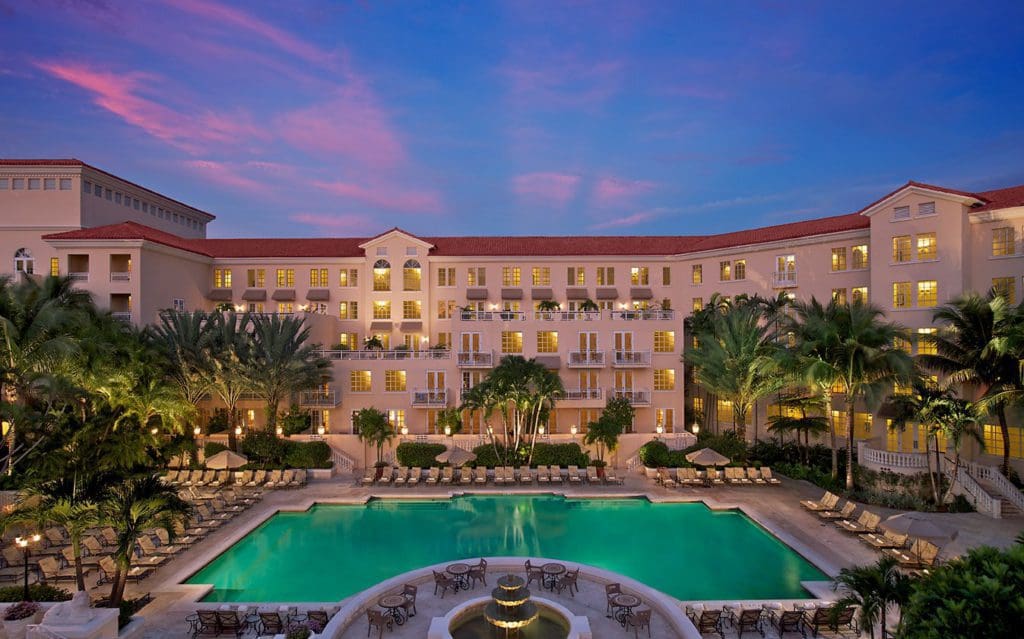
(957, 420)
(873, 590)
(736, 359)
(132, 507)
(916, 406)
(185, 339)
(75, 516)
(373, 427)
(281, 361)
(230, 347)
(969, 353)
(851, 347)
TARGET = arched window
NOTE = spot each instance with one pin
(23, 261)
(411, 275)
(381, 275)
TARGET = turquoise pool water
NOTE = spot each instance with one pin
(330, 552)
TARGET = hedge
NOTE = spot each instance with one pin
(212, 448)
(418, 454)
(656, 454)
(308, 455)
(267, 450)
(37, 592)
(544, 454)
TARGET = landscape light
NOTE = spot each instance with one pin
(320, 430)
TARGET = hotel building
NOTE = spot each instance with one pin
(446, 309)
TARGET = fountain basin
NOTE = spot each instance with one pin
(468, 621)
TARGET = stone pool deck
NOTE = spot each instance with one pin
(775, 508)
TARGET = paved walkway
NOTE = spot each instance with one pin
(776, 508)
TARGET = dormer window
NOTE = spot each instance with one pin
(901, 213)
(381, 275)
(926, 208)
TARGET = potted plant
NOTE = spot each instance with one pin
(18, 617)
(437, 351)
(506, 314)
(373, 343)
(402, 351)
(547, 307)
(589, 306)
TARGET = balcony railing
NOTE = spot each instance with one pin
(890, 459)
(666, 314)
(432, 353)
(430, 397)
(323, 397)
(79, 276)
(631, 359)
(476, 359)
(577, 394)
(488, 316)
(784, 279)
(120, 276)
(635, 397)
(586, 359)
(122, 316)
(567, 316)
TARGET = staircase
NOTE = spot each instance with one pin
(995, 484)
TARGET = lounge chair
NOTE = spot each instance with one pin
(748, 620)
(785, 621)
(754, 475)
(271, 623)
(222, 478)
(258, 479)
(574, 475)
(830, 618)
(301, 478)
(610, 476)
(245, 478)
(184, 541)
(386, 474)
(592, 476)
(68, 553)
(52, 572)
(525, 476)
(480, 475)
(447, 474)
(866, 523)
(828, 501)
(288, 479)
(689, 477)
(273, 479)
(401, 476)
(768, 477)
(108, 568)
(433, 475)
(95, 547)
(707, 621)
(542, 475)
(921, 554)
(729, 475)
(887, 539)
(556, 474)
(715, 476)
(499, 475)
(739, 476)
(414, 476)
(150, 549)
(510, 475)
(465, 475)
(171, 477)
(848, 509)
(665, 478)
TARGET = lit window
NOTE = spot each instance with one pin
(382, 275)
(901, 295)
(411, 276)
(318, 278)
(359, 381)
(860, 256)
(664, 341)
(901, 248)
(926, 341)
(1005, 286)
(348, 277)
(664, 379)
(839, 259)
(446, 276)
(902, 342)
(511, 342)
(901, 213)
(666, 275)
(285, 308)
(739, 270)
(575, 276)
(541, 276)
(510, 275)
(412, 309)
(445, 309)
(926, 248)
(697, 273)
(222, 278)
(54, 266)
(638, 276)
(666, 418)
(606, 276)
(394, 381)
(859, 294)
(477, 276)
(256, 278)
(382, 310)
(698, 304)
(927, 293)
(547, 341)
(725, 271)
(839, 295)
(1004, 241)
(348, 310)
(285, 277)
(348, 341)
(444, 339)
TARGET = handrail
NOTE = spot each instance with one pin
(891, 459)
(394, 354)
(633, 463)
(1003, 485)
(973, 491)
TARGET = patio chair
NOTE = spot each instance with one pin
(574, 475)
(245, 478)
(610, 477)
(665, 478)
(754, 475)
(433, 475)
(231, 622)
(52, 572)
(749, 620)
(639, 619)
(184, 541)
(409, 592)
(481, 475)
(445, 582)
(207, 624)
(866, 523)
(715, 476)
(828, 501)
(273, 479)
(556, 474)
(258, 478)
(534, 573)
(610, 590)
(768, 477)
(787, 621)
(542, 475)
(447, 475)
(108, 568)
(479, 572)
(525, 476)
(465, 475)
(386, 474)
(848, 509)
(921, 554)
(568, 581)
(271, 623)
(377, 619)
(414, 476)
(708, 621)
(592, 476)
(887, 539)
(831, 618)
(301, 477)
(402, 476)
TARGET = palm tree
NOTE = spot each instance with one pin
(185, 339)
(736, 359)
(132, 507)
(873, 589)
(372, 427)
(957, 420)
(450, 420)
(589, 306)
(616, 416)
(76, 516)
(917, 406)
(855, 351)
(281, 362)
(230, 346)
(969, 352)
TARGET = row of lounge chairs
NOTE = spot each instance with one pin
(911, 553)
(754, 619)
(250, 478)
(264, 622)
(503, 475)
(712, 477)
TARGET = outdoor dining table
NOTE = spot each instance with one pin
(624, 604)
(394, 607)
(460, 572)
(552, 571)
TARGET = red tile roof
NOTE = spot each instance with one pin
(131, 231)
(1001, 198)
(77, 162)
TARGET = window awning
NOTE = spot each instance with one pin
(607, 293)
(411, 327)
(380, 326)
(283, 295)
(641, 293)
(476, 294)
(219, 295)
(542, 293)
(511, 293)
(254, 294)
(575, 293)
(318, 294)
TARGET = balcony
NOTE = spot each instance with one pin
(475, 359)
(784, 279)
(635, 397)
(120, 276)
(389, 355)
(79, 276)
(430, 397)
(896, 462)
(582, 394)
(631, 359)
(490, 316)
(566, 316)
(644, 315)
(322, 398)
(122, 316)
(586, 359)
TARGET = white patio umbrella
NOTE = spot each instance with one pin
(917, 525)
(707, 457)
(455, 456)
(226, 459)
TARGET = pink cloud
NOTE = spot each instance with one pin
(224, 175)
(565, 83)
(237, 19)
(385, 197)
(347, 223)
(547, 188)
(626, 220)
(612, 190)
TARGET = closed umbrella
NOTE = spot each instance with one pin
(226, 459)
(455, 456)
(917, 525)
(707, 457)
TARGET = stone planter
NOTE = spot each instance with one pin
(17, 629)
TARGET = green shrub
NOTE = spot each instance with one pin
(418, 454)
(570, 454)
(130, 607)
(218, 421)
(264, 449)
(654, 454)
(38, 592)
(294, 421)
(315, 454)
(485, 456)
(212, 448)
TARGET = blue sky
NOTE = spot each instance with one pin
(518, 117)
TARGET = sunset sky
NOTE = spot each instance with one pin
(347, 118)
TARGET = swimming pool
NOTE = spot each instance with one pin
(330, 552)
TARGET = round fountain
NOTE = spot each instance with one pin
(510, 614)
